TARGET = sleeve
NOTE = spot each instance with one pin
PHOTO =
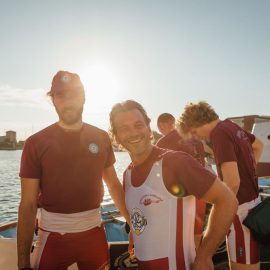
(186, 147)
(160, 143)
(181, 169)
(110, 154)
(223, 147)
(251, 137)
(30, 162)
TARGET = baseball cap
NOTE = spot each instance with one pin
(66, 81)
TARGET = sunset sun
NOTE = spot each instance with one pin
(102, 87)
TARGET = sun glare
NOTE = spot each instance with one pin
(102, 87)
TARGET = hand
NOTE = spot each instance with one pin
(131, 246)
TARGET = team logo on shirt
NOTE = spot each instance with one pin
(241, 135)
(150, 198)
(138, 221)
(93, 148)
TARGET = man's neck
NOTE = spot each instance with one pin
(213, 124)
(170, 131)
(74, 127)
(140, 158)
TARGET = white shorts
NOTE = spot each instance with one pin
(241, 245)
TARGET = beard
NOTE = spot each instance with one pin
(70, 115)
(138, 149)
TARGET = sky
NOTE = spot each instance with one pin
(162, 54)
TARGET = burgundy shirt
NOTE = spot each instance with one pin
(232, 143)
(69, 166)
(174, 141)
(179, 168)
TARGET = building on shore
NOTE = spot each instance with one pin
(9, 141)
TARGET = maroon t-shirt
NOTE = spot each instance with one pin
(179, 168)
(232, 143)
(69, 166)
(174, 141)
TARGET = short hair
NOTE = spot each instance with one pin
(126, 106)
(165, 118)
(196, 115)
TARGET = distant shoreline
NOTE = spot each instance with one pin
(10, 149)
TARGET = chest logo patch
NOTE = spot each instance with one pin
(150, 198)
(138, 221)
(93, 148)
(241, 135)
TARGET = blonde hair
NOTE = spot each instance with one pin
(196, 115)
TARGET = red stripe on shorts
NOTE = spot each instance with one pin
(239, 241)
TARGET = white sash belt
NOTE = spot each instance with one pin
(249, 205)
(69, 223)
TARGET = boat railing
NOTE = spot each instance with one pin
(262, 188)
(264, 195)
(7, 226)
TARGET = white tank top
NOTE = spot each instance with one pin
(162, 224)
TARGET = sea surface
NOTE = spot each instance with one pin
(10, 181)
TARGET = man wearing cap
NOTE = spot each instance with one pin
(61, 172)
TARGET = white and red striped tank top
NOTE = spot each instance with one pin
(162, 224)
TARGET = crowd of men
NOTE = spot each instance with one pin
(165, 188)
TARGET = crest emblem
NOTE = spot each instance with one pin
(241, 135)
(138, 221)
(149, 199)
(93, 148)
(65, 78)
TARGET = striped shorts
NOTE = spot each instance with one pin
(55, 251)
(241, 245)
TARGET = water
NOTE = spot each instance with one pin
(10, 181)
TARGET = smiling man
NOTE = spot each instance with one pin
(236, 153)
(160, 186)
(61, 172)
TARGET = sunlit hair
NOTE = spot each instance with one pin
(126, 106)
(196, 115)
(166, 118)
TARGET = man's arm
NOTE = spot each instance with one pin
(116, 191)
(223, 211)
(257, 148)
(231, 175)
(26, 220)
(230, 171)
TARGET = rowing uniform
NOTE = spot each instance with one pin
(232, 143)
(69, 166)
(174, 141)
(163, 223)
